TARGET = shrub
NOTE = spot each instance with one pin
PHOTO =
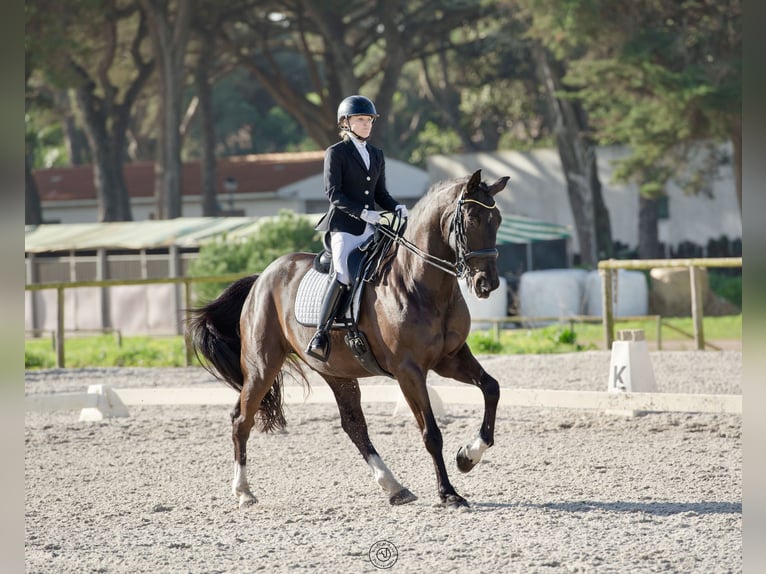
(287, 233)
(727, 286)
(483, 343)
(34, 359)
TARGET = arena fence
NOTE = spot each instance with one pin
(60, 287)
(608, 276)
(606, 269)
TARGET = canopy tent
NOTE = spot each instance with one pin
(526, 244)
(520, 229)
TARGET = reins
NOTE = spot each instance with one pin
(460, 267)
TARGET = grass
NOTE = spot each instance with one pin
(107, 351)
(568, 338)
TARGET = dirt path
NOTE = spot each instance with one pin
(561, 491)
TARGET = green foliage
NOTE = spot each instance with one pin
(484, 343)
(274, 237)
(551, 339)
(659, 77)
(38, 358)
(434, 139)
(727, 286)
(566, 336)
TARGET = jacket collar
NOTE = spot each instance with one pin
(355, 152)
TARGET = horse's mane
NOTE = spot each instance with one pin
(435, 193)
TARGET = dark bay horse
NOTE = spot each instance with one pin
(414, 318)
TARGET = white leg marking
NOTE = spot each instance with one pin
(383, 476)
(476, 450)
(240, 487)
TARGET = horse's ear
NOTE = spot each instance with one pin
(473, 182)
(499, 185)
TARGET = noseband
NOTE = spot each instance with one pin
(460, 268)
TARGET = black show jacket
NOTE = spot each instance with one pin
(350, 187)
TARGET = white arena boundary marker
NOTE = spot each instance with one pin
(449, 395)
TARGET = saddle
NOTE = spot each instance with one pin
(365, 264)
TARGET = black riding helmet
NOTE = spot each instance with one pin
(356, 106)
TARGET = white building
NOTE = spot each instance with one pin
(537, 189)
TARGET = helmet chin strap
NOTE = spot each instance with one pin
(356, 135)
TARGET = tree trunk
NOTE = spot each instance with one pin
(76, 143)
(112, 193)
(648, 230)
(210, 206)
(578, 161)
(33, 210)
(169, 41)
(106, 123)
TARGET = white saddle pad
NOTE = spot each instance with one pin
(308, 301)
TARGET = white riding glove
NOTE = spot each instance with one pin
(401, 210)
(370, 216)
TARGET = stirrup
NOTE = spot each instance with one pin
(319, 346)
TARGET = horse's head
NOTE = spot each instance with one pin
(473, 233)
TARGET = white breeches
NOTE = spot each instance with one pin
(342, 244)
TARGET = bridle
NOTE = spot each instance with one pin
(460, 268)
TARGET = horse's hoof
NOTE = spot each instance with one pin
(247, 500)
(455, 501)
(464, 463)
(404, 496)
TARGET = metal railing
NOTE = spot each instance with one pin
(606, 270)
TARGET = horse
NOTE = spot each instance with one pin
(414, 317)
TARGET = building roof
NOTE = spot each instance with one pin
(192, 232)
(259, 173)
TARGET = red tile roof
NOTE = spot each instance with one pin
(254, 174)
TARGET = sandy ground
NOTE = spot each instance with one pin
(561, 491)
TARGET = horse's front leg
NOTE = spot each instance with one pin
(464, 367)
(349, 399)
(416, 395)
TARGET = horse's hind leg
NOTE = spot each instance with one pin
(464, 367)
(258, 381)
(240, 487)
(348, 397)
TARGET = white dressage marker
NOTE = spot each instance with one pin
(108, 404)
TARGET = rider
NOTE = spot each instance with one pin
(355, 183)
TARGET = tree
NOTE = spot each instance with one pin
(578, 161)
(169, 23)
(345, 47)
(662, 77)
(206, 23)
(95, 48)
(568, 122)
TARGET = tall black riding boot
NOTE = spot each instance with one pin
(319, 346)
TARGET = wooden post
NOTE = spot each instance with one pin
(60, 328)
(174, 265)
(102, 274)
(659, 332)
(608, 308)
(695, 278)
(187, 314)
(33, 302)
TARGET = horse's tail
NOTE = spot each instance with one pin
(213, 332)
